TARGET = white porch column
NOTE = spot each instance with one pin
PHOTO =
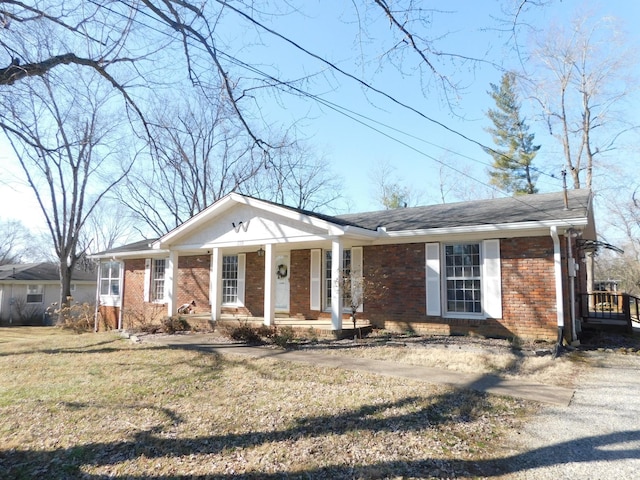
(171, 283)
(215, 277)
(336, 284)
(269, 285)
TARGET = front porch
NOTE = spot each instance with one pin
(322, 327)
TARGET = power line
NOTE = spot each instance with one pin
(355, 116)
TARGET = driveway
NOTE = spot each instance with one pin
(596, 437)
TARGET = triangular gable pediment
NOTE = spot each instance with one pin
(238, 220)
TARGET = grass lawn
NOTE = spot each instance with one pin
(97, 406)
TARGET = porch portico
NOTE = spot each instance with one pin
(250, 245)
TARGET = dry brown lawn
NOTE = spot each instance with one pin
(97, 406)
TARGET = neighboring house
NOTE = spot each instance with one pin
(27, 290)
(502, 267)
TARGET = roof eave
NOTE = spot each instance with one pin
(131, 254)
(234, 198)
(505, 227)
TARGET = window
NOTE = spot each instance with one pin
(110, 278)
(157, 279)
(35, 293)
(463, 278)
(346, 270)
(230, 279)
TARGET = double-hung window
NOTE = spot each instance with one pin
(346, 271)
(35, 293)
(110, 278)
(229, 279)
(463, 277)
(158, 275)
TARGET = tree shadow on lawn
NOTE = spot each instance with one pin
(89, 348)
(455, 406)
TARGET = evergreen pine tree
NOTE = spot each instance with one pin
(515, 151)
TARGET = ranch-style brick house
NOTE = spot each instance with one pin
(502, 267)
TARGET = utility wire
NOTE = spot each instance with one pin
(357, 117)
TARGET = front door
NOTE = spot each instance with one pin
(282, 283)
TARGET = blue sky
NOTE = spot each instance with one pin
(416, 148)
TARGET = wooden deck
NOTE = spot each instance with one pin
(610, 311)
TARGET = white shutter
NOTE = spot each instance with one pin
(356, 267)
(432, 260)
(241, 276)
(316, 280)
(147, 279)
(492, 279)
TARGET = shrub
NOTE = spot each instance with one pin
(266, 331)
(78, 317)
(174, 324)
(146, 318)
(312, 335)
(244, 333)
(284, 336)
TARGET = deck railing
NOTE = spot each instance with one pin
(610, 307)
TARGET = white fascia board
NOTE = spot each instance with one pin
(236, 199)
(156, 252)
(241, 245)
(494, 228)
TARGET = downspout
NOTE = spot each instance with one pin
(571, 270)
(557, 269)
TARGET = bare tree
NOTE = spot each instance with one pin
(65, 143)
(16, 243)
(153, 41)
(388, 189)
(198, 154)
(583, 80)
(298, 177)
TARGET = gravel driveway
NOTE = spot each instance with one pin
(596, 437)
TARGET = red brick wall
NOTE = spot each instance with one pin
(300, 284)
(395, 286)
(193, 281)
(397, 275)
(528, 287)
(254, 285)
(394, 283)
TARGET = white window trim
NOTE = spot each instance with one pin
(356, 266)
(490, 280)
(240, 298)
(151, 283)
(471, 315)
(40, 288)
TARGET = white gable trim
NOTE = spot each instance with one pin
(233, 199)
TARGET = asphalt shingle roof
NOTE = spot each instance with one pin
(44, 271)
(525, 208)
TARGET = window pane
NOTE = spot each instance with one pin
(34, 293)
(328, 274)
(157, 280)
(110, 278)
(463, 280)
(230, 279)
